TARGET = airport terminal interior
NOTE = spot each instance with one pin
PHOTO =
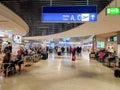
(59, 44)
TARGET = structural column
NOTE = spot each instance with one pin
(118, 43)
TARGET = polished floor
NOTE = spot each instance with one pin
(60, 73)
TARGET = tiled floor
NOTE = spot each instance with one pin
(60, 73)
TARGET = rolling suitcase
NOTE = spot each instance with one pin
(45, 56)
(73, 58)
(59, 53)
(117, 73)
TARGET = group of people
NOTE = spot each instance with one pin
(102, 54)
(8, 61)
(74, 50)
(70, 49)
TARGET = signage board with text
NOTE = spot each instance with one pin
(69, 14)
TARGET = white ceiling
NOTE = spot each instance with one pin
(9, 20)
(104, 24)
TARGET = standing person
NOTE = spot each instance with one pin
(73, 53)
(63, 49)
(70, 49)
(56, 47)
(80, 49)
(67, 49)
(59, 51)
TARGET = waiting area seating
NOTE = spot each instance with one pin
(109, 59)
(27, 60)
(7, 68)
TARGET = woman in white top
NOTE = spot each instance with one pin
(59, 49)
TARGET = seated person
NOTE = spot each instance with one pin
(8, 62)
(112, 58)
(101, 56)
(19, 60)
(26, 52)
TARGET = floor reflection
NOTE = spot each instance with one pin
(61, 73)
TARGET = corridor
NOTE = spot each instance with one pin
(60, 73)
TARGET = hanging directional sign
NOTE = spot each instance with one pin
(113, 11)
(67, 14)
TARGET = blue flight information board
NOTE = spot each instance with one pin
(69, 14)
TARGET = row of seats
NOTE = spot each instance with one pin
(109, 60)
(27, 61)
